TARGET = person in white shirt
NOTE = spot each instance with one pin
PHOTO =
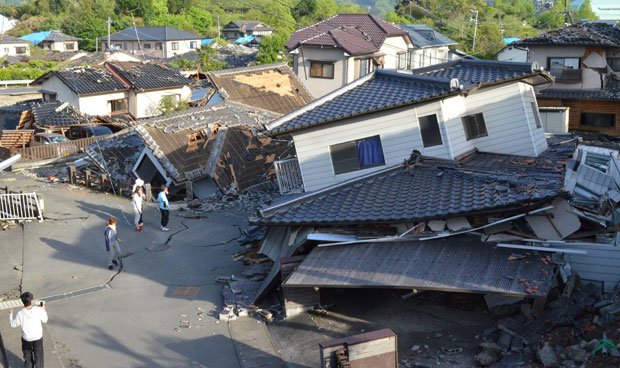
(30, 319)
(136, 199)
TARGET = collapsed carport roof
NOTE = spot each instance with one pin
(462, 264)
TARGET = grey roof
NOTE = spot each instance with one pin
(611, 92)
(6, 39)
(431, 189)
(117, 154)
(57, 36)
(582, 34)
(463, 264)
(425, 36)
(149, 75)
(385, 89)
(475, 71)
(152, 34)
(247, 25)
(100, 78)
(57, 113)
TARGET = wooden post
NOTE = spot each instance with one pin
(72, 171)
(189, 190)
(87, 178)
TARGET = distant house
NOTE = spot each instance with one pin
(53, 41)
(334, 52)
(443, 111)
(159, 42)
(272, 87)
(13, 46)
(244, 28)
(115, 88)
(585, 60)
(6, 23)
(430, 46)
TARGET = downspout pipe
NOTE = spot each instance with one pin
(10, 161)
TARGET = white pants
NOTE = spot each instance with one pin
(114, 253)
(136, 217)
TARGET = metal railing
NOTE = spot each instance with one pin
(288, 175)
(7, 83)
(20, 206)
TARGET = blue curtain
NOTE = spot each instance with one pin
(370, 152)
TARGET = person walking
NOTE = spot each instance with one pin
(139, 183)
(111, 243)
(136, 199)
(30, 319)
(164, 207)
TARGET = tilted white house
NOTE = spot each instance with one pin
(116, 88)
(329, 54)
(443, 111)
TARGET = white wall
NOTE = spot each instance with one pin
(99, 104)
(133, 47)
(63, 93)
(392, 46)
(590, 79)
(321, 86)
(429, 56)
(509, 120)
(511, 53)
(148, 102)
(554, 119)
(10, 49)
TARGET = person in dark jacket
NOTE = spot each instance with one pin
(111, 244)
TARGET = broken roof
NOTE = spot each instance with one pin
(6, 39)
(168, 136)
(383, 90)
(152, 34)
(117, 154)
(431, 189)
(425, 36)
(611, 92)
(57, 114)
(117, 76)
(581, 34)
(272, 87)
(459, 265)
(48, 36)
(354, 33)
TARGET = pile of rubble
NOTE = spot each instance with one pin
(246, 203)
(236, 55)
(579, 328)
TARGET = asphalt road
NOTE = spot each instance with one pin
(133, 316)
(18, 91)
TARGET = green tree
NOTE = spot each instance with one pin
(271, 48)
(179, 6)
(349, 7)
(200, 19)
(88, 20)
(585, 12)
(552, 18)
(207, 61)
(303, 8)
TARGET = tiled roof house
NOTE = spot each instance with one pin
(430, 46)
(53, 41)
(115, 88)
(585, 60)
(443, 111)
(331, 53)
(13, 46)
(158, 42)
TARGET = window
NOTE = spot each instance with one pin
(356, 155)
(474, 126)
(118, 106)
(366, 66)
(536, 114)
(146, 46)
(6, 50)
(401, 58)
(192, 44)
(69, 46)
(158, 46)
(598, 120)
(21, 50)
(322, 69)
(429, 129)
(565, 69)
(175, 45)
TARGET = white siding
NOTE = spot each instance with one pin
(63, 93)
(10, 49)
(508, 116)
(399, 134)
(148, 102)
(602, 263)
(321, 86)
(512, 53)
(429, 56)
(100, 104)
(537, 133)
(391, 47)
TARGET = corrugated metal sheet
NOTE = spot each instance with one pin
(602, 263)
(461, 264)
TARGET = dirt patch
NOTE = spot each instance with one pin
(8, 100)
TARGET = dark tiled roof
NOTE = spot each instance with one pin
(6, 39)
(167, 136)
(57, 114)
(272, 87)
(150, 75)
(247, 25)
(383, 90)
(57, 36)
(470, 71)
(117, 154)
(431, 189)
(584, 34)
(152, 34)
(611, 92)
(424, 36)
(85, 80)
(347, 31)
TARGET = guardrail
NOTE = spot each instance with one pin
(7, 83)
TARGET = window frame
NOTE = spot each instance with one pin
(24, 50)
(536, 113)
(69, 46)
(401, 60)
(174, 46)
(159, 46)
(340, 165)
(193, 45)
(112, 104)
(584, 114)
(474, 132)
(433, 129)
(323, 63)
(561, 77)
(146, 46)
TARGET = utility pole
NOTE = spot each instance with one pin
(109, 25)
(217, 40)
(475, 20)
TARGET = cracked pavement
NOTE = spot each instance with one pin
(129, 317)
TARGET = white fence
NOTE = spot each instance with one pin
(288, 175)
(7, 83)
(20, 206)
